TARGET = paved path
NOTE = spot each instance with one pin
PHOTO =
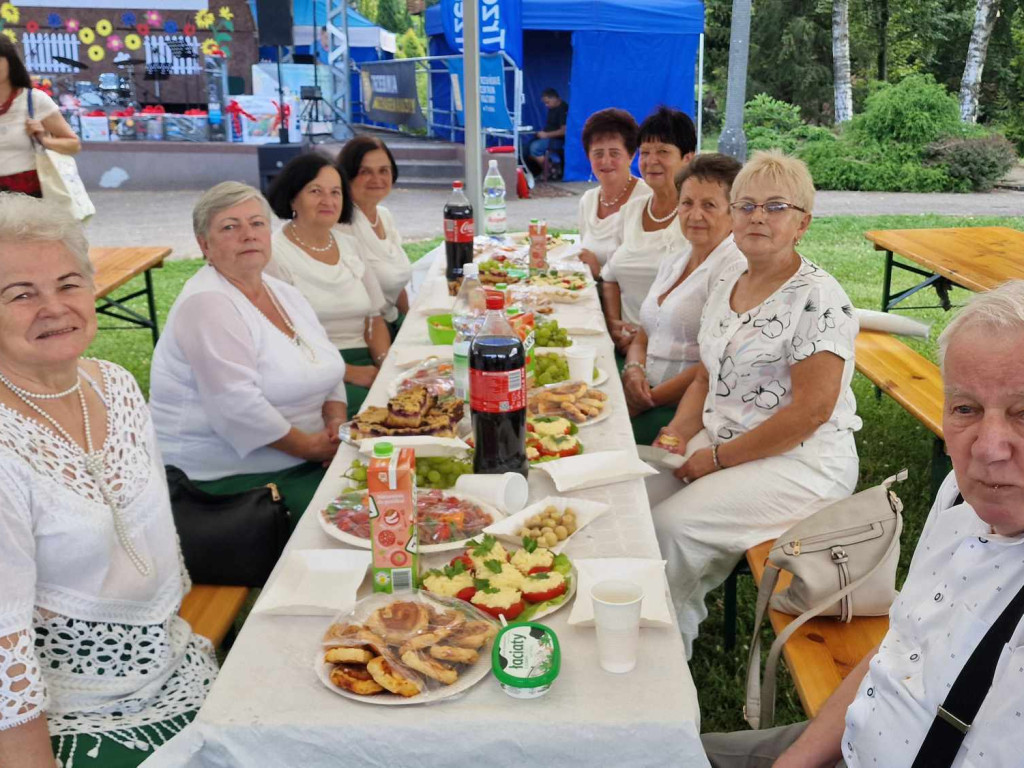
(165, 218)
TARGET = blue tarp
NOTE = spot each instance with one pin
(633, 54)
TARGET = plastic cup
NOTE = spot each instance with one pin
(581, 362)
(617, 618)
(507, 492)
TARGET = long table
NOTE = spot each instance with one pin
(267, 707)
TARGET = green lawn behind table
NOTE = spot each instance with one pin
(889, 441)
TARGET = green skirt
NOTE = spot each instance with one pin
(297, 485)
(395, 326)
(111, 754)
(647, 425)
(355, 393)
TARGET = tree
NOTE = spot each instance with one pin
(393, 15)
(841, 60)
(732, 141)
(984, 20)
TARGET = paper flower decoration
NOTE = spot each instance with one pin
(171, 27)
(132, 42)
(71, 26)
(54, 20)
(9, 34)
(32, 27)
(204, 19)
(10, 13)
(154, 19)
(104, 27)
(142, 29)
(115, 43)
(189, 29)
(86, 35)
(225, 13)
(96, 53)
(210, 47)
(128, 19)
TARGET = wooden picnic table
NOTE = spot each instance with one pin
(975, 258)
(116, 266)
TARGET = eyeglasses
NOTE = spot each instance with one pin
(771, 208)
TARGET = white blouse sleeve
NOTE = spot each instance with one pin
(607, 271)
(826, 323)
(583, 217)
(22, 693)
(218, 346)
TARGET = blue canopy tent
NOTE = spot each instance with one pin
(632, 54)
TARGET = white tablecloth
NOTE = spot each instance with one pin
(267, 707)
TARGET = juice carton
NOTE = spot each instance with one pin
(391, 486)
(523, 323)
(538, 235)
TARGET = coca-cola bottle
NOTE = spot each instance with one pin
(458, 232)
(497, 394)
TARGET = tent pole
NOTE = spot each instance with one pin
(346, 66)
(700, 92)
(471, 110)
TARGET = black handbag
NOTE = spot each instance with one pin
(233, 539)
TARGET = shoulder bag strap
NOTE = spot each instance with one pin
(760, 710)
(956, 714)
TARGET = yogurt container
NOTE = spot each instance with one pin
(526, 659)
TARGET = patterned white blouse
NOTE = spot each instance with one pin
(85, 638)
(748, 356)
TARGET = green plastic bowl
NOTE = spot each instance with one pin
(440, 330)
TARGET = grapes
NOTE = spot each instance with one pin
(550, 368)
(431, 471)
(550, 334)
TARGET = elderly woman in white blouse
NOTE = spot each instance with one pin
(767, 426)
(370, 169)
(246, 388)
(662, 360)
(610, 141)
(96, 667)
(649, 231)
(325, 264)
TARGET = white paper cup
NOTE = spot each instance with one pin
(581, 362)
(617, 619)
(507, 492)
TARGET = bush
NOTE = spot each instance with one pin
(763, 111)
(979, 161)
(915, 111)
(845, 165)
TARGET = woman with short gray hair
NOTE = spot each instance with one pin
(96, 667)
(246, 388)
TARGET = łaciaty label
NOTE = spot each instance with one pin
(497, 391)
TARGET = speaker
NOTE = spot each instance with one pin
(274, 18)
(272, 158)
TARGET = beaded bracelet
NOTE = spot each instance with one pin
(714, 457)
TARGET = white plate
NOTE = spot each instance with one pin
(335, 532)
(649, 574)
(602, 374)
(315, 582)
(586, 512)
(405, 375)
(569, 594)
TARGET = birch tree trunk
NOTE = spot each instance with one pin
(970, 85)
(841, 60)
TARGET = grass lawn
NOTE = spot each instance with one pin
(889, 441)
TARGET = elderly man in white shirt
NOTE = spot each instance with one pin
(967, 568)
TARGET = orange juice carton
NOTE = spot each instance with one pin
(391, 487)
(538, 236)
(523, 323)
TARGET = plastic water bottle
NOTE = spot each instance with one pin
(495, 221)
(467, 317)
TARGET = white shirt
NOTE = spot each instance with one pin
(602, 236)
(748, 356)
(387, 258)
(226, 382)
(17, 154)
(91, 634)
(961, 578)
(343, 295)
(672, 327)
(635, 263)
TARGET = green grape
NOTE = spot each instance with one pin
(433, 475)
(359, 474)
(355, 463)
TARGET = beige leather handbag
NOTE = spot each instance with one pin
(843, 560)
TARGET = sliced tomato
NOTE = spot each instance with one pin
(539, 569)
(509, 613)
(547, 594)
(465, 561)
(466, 594)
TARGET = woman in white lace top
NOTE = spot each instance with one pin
(96, 667)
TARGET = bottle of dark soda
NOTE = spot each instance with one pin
(458, 232)
(497, 394)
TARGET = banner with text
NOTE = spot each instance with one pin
(493, 112)
(389, 93)
(501, 26)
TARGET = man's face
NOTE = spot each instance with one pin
(983, 423)
(550, 101)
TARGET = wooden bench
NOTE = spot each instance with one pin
(211, 610)
(116, 266)
(823, 651)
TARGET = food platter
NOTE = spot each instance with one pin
(349, 510)
(571, 400)
(433, 373)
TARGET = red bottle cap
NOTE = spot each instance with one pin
(456, 185)
(495, 301)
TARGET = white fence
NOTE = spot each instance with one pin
(41, 47)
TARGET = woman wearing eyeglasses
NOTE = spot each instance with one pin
(766, 429)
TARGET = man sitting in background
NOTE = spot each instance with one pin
(552, 138)
(967, 568)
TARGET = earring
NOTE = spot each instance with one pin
(293, 213)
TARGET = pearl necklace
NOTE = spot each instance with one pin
(617, 197)
(307, 246)
(376, 222)
(23, 393)
(295, 337)
(655, 219)
(93, 461)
